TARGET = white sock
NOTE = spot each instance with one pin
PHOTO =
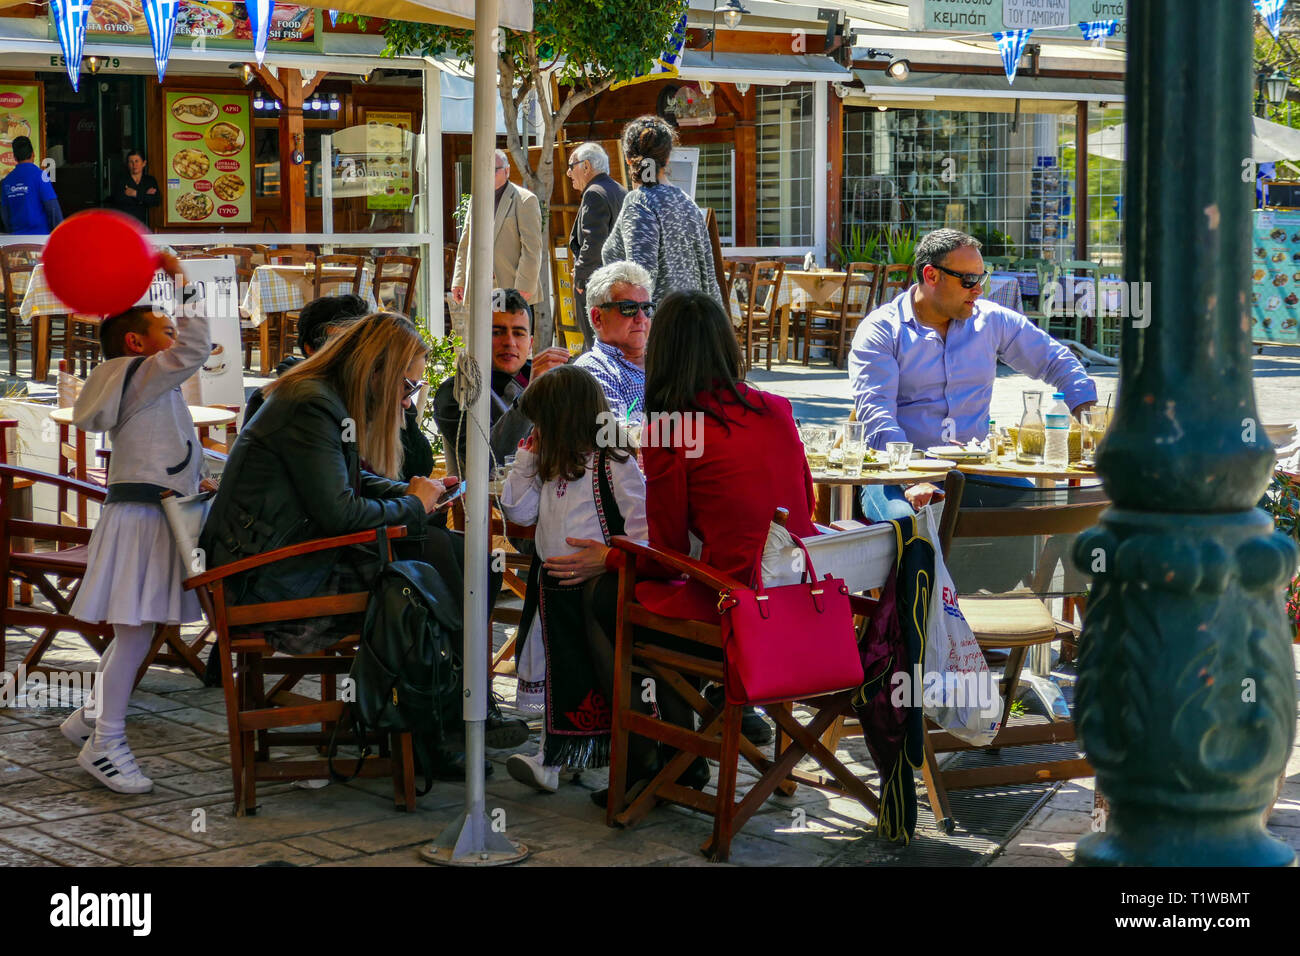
(129, 648)
(90, 709)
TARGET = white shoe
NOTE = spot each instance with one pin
(115, 767)
(530, 770)
(77, 728)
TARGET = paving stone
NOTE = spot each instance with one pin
(121, 838)
(1023, 859)
(646, 854)
(253, 855)
(405, 857)
(9, 818)
(79, 803)
(53, 849)
(37, 748)
(197, 761)
(402, 829)
(195, 717)
(1042, 843)
(37, 785)
(9, 856)
(323, 849)
(1069, 822)
(156, 733)
(154, 766)
(144, 702)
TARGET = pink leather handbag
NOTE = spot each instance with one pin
(791, 642)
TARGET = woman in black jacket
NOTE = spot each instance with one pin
(318, 460)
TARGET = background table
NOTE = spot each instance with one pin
(39, 306)
(797, 290)
(286, 288)
(205, 416)
(839, 503)
(1040, 474)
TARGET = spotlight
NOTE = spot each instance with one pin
(247, 74)
(258, 101)
(898, 69)
(93, 64)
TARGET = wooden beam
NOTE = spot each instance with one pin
(835, 174)
(745, 228)
(293, 179)
(270, 82)
(1081, 224)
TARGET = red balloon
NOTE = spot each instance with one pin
(99, 262)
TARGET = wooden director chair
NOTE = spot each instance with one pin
(1013, 621)
(719, 738)
(259, 718)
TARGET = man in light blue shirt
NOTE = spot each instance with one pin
(620, 310)
(923, 365)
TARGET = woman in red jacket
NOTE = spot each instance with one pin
(734, 460)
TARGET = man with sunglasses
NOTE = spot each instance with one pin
(620, 311)
(602, 198)
(923, 365)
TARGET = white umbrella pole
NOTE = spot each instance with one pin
(473, 840)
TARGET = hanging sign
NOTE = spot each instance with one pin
(20, 115)
(161, 15)
(1011, 45)
(70, 18)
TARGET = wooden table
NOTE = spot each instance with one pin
(838, 505)
(1040, 474)
(816, 289)
(205, 416)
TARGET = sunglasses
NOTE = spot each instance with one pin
(968, 280)
(628, 308)
(411, 387)
(576, 162)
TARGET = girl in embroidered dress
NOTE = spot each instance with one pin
(576, 479)
(134, 572)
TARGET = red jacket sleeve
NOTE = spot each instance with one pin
(665, 480)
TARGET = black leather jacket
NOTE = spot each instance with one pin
(291, 477)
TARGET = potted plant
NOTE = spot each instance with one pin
(901, 245)
(441, 366)
(1282, 501)
(861, 247)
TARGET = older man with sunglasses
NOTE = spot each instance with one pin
(620, 309)
(923, 365)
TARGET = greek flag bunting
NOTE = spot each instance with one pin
(161, 15)
(70, 17)
(1098, 30)
(259, 18)
(1270, 11)
(334, 18)
(1011, 44)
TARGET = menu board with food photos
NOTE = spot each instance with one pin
(209, 159)
(20, 115)
(216, 20)
(390, 160)
(1275, 286)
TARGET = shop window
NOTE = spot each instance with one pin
(784, 199)
(1008, 181)
(713, 186)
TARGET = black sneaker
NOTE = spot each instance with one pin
(753, 727)
(502, 732)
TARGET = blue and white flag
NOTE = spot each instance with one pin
(1270, 12)
(1011, 44)
(669, 61)
(1098, 30)
(259, 18)
(161, 15)
(70, 18)
(334, 18)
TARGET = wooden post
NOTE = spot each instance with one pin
(746, 185)
(1081, 223)
(834, 174)
(287, 86)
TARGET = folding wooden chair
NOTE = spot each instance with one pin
(719, 738)
(259, 718)
(1015, 621)
(398, 273)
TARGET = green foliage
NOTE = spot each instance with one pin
(994, 243)
(862, 247)
(902, 246)
(1018, 709)
(461, 213)
(440, 367)
(1282, 501)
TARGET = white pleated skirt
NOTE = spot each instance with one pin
(134, 573)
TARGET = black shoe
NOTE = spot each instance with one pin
(752, 725)
(450, 765)
(501, 732)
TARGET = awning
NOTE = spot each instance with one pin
(515, 14)
(761, 69)
(1269, 142)
(983, 92)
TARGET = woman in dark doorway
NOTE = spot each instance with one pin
(137, 192)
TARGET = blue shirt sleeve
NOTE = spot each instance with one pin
(1031, 351)
(46, 188)
(873, 369)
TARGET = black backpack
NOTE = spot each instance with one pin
(407, 673)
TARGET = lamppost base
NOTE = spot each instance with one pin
(1237, 840)
(472, 842)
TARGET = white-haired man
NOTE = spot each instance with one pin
(620, 310)
(602, 198)
(517, 246)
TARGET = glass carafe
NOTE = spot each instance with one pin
(1033, 431)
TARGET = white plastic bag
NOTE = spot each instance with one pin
(959, 692)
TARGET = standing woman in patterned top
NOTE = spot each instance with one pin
(659, 227)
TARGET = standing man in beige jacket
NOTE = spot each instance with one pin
(517, 243)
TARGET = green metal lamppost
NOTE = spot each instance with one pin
(1186, 700)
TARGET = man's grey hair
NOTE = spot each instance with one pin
(592, 153)
(935, 246)
(503, 157)
(603, 280)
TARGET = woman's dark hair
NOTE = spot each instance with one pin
(692, 349)
(113, 330)
(648, 138)
(571, 420)
(135, 152)
(319, 314)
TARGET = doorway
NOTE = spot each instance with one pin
(89, 133)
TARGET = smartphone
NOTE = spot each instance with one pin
(450, 495)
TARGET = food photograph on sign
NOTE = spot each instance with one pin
(209, 163)
(20, 115)
(1275, 277)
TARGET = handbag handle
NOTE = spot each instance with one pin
(808, 565)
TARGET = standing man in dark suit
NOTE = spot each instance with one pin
(602, 198)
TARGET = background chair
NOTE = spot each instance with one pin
(290, 257)
(259, 718)
(759, 313)
(16, 265)
(1070, 313)
(840, 317)
(397, 275)
(894, 278)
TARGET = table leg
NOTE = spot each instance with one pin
(841, 502)
(784, 317)
(264, 346)
(40, 347)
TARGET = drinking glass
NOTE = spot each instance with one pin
(1091, 434)
(900, 455)
(817, 444)
(855, 447)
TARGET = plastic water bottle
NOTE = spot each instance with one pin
(1056, 447)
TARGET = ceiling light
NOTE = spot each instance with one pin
(258, 101)
(247, 74)
(93, 64)
(898, 69)
(731, 13)
(742, 87)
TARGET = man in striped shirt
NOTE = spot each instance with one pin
(620, 309)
